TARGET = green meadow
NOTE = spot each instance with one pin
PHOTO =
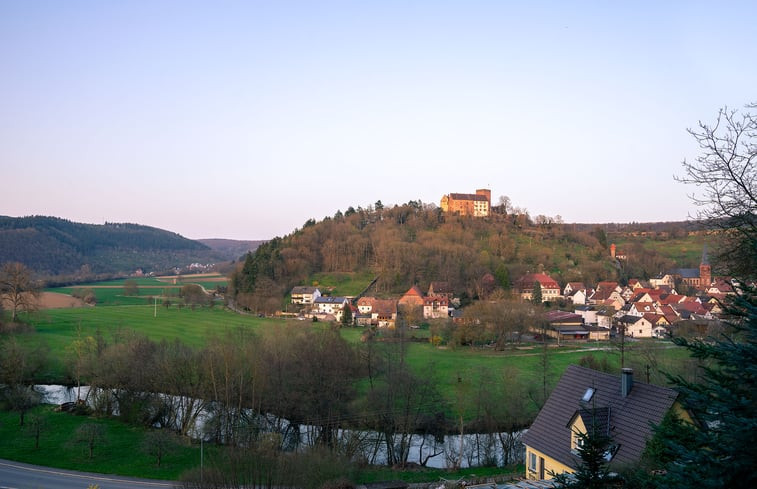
(58, 328)
(120, 451)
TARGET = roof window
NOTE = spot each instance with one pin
(587, 395)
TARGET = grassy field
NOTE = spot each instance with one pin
(57, 447)
(111, 292)
(683, 252)
(57, 328)
(341, 283)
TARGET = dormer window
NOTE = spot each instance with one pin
(588, 394)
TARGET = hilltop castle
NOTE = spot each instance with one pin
(477, 205)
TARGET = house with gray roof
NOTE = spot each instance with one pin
(303, 294)
(625, 409)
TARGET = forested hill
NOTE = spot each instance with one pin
(55, 247)
(415, 244)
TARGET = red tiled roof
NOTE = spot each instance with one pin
(672, 299)
(414, 290)
(442, 300)
(654, 318)
(527, 281)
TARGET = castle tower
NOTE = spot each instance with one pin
(487, 193)
(705, 270)
(612, 250)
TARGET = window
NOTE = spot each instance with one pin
(532, 461)
(587, 395)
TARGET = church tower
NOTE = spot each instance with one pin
(705, 271)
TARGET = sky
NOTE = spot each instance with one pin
(243, 120)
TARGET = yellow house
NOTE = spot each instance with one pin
(625, 410)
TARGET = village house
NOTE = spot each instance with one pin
(412, 298)
(605, 316)
(550, 290)
(384, 313)
(331, 306)
(625, 410)
(441, 289)
(699, 278)
(436, 307)
(641, 326)
(565, 325)
(476, 205)
(588, 313)
(303, 294)
(601, 295)
(572, 287)
(640, 308)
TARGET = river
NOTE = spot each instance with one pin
(370, 446)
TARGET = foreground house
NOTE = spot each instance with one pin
(627, 410)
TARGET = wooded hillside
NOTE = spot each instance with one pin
(416, 243)
(53, 247)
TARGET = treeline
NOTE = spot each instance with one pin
(56, 247)
(415, 243)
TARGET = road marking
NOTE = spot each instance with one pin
(82, 476)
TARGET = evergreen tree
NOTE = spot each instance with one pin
(536, 296)
(722, 452)
(593, 449)
(347, 315)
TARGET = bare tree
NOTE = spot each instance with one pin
(18, 367)
(131, 288)
(91, 435)
(18, 289)
(36, 426)
(724, 174)
(159, 444)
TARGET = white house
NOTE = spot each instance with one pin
(303, 294)
(331, 305)
(436, 307)
(642, 327)
(589, 314)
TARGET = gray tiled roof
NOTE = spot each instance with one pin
(630, 418)
(303, 289)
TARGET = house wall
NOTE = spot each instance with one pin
(577, 427)
(640, 329)
(599, 335)
(550, 465)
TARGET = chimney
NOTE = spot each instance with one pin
(626, 381)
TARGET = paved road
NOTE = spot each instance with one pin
(15, 475)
